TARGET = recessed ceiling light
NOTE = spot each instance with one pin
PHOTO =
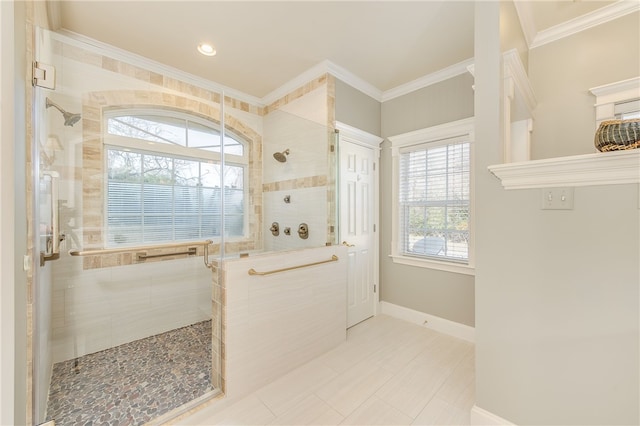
(206, 49)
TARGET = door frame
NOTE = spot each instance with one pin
(359, 137)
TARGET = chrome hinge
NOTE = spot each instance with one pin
(44, 75)
(374, 167)
(374, 227)
(375, 287)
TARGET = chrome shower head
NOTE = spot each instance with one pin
(69, 118)
(281, 156)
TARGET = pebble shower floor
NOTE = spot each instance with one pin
(133, 383)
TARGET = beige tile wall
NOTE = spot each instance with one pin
(275, 323)
(93, 172)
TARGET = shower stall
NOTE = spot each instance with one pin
(145, 181)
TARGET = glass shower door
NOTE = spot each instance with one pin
(123, 318)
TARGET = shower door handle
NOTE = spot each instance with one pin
(205, 256)
(52, 237)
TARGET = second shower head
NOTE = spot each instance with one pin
(281, 156)
(69, 118)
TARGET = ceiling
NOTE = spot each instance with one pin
(262, 45)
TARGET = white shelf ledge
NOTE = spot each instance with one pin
(603, 168)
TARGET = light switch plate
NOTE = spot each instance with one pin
(557, 198)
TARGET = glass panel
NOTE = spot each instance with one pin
(458, 245)
(124, 166)
(150, 128)
(180, 196)
(124, 198)
(200, 136)
(210, 175)
(297, 155)
(124, 230)
(234, 178)
(157, 229)
(112, 198)
(187, 227)
(158, 199)
(630, 115)
(157, 169)
(233, 146)
(128, 199)
(210, 225)
(187, 172)
(234, 212)
(186, 200)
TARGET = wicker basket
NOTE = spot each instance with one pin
(615, 135)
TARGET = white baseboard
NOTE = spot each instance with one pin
(433, 322)
(483, 417)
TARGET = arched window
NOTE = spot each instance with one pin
(164, 178)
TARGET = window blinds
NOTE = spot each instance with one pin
(434, 200)
(158, 198)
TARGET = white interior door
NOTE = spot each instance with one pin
(358, 189)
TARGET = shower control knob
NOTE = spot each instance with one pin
(303, 231)
(275, 229)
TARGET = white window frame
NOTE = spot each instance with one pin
(436, 135)
(610, 95)
(171, 150)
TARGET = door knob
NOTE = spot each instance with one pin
(344, 243)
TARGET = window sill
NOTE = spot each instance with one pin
(603, 168)
(434, 264)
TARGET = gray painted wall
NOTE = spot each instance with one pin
(562, 73)
(557, 297)
(446, 101)
(357, 109)
(443, 294)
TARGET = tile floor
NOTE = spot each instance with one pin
(133, 383)
(388, 372)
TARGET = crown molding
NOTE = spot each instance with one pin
(429, 79)
(324, 67)
(365, 87)
(354, 81)
(584, 22)
(300, 80)
(105, 49)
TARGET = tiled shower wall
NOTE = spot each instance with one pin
(275, 323)
(101, 308)
(302, 122)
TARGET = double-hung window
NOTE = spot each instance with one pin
(617, 100)
(433, 197)
(164, 179)
(627, 110)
